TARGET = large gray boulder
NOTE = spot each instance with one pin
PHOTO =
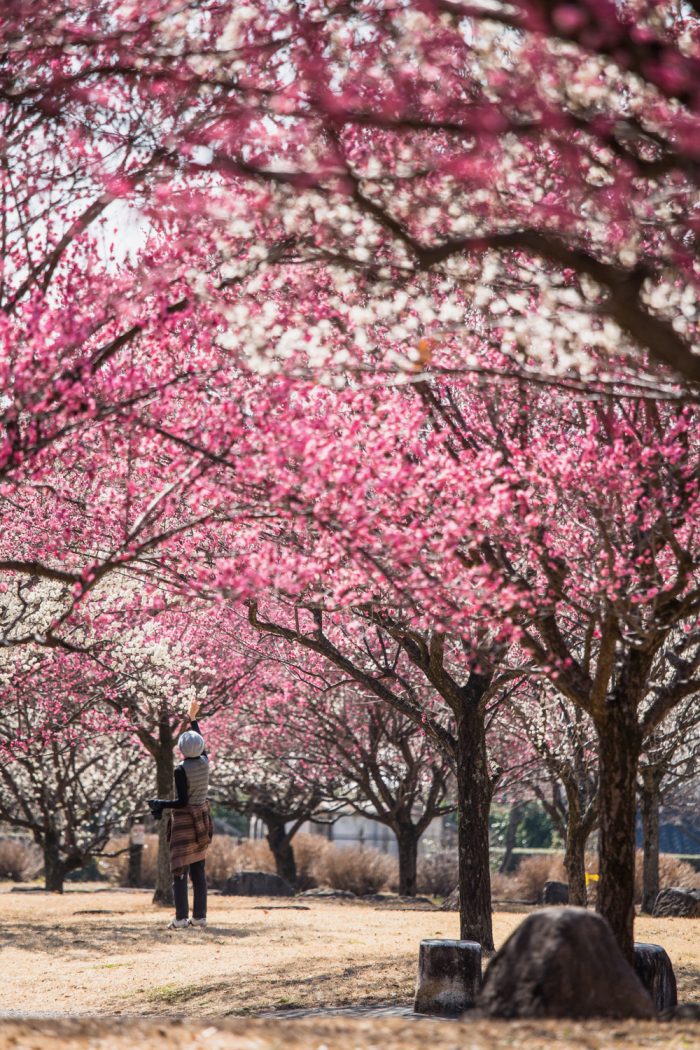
(677, 903)
(257, 884)
(653, 968)
(562, 962)
(449, 977)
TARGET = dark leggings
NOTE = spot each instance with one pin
(199, 885)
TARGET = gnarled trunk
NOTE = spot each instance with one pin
(165, 771)
(54, 868)
(575, 858)
(650, 804)
(474, 801)
(618, 748)
(407, 837)
(282, 850)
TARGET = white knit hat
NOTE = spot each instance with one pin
(191, 744)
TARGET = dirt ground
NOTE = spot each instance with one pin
(108, 953)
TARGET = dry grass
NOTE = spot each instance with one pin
(114, 868)
(319, 863)
(107, 952)
(356, 868)
(342, 1033)
(672, 872)
(19, 860)
(533, 872)
(438, 873)
(227, 855)
(528, 881)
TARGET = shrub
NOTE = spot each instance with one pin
(359, 869)
(533, 872)
(528, 881)
(227, 855)
(116, 868)
(308, 852)
(438, 873)
(672, 872)
(19, 860)
(502, 887)
(222, 860)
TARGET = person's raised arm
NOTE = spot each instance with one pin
(195, 708)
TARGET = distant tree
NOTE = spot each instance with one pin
(563, 774)
(361, 752)
(71, 774)
(670, 760)
(257, 779)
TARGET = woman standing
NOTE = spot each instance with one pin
(191, 829)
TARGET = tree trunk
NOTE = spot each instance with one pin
(651, 800)
(54, 869)
(165, 786)
(473, 801)
(618, 747)
(283, 852)
(506, 865)
(133, 873)
(575, 859)
(408, 839)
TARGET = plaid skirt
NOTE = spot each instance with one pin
(189, 833)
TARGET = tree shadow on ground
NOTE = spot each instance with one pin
(96, 938)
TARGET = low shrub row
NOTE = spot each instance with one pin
(319, 863)
(527, 882)
(360, 869)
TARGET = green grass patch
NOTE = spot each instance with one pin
(174, 994)
(171, 994)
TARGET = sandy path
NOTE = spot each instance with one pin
(109, 952)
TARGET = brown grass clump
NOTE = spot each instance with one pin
(502, 888)
(20, 861)
(359, 869)
(228, 855)
(672, 872)
(319, 862)
(528, 881)
(437, 873)
(115, 868)
(309, 851)
(533, 872)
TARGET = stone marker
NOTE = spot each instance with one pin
(257, 884)
(653, 968)
(677, 902)
(449, 977)
(555, 893)
(562, 962)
